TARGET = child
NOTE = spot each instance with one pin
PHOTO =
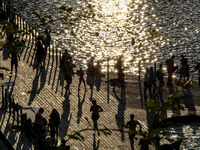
(81, 74)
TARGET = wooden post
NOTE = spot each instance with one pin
(155, 68)
(17, 109)
(6, 98)
(56, 56)
(108, 84)
(20, 108)
(60, 60)
(2, 95)
(26, 29)
(20, 21)
(139, 69)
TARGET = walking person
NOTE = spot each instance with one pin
(81, 79)
(132, 126)
(55, 117)
(95, 109)
(68, 72)
(160, 76)
(146, 83)
(170, 69)
(14, 61)
(183, 69)
(39, 53)
(47, 41)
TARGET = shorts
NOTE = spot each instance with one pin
(68, 78)
(95, 118)
(14, 62)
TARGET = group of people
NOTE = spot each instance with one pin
(150, 75)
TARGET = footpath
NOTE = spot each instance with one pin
(44, 87)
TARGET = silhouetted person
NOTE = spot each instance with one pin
(52, 130)
(160, 74)
(132, 125)
(120, 78)
(39, 53)
(144, 142)
(197, 67)
(55, 117)
(95, 114)
(170, 69)
(146, 83)
(68, 72)
(40, 120)
(90, 66)
(47, 41)
(97, 68)
(119, 64)
(81, 79)
(183, 69)
(13, 16)
(14, 61)
(152, 80)
(63, 145)
(8, 8)
(65, 57)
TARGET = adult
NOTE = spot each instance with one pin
(68, 72)
(90, 66)
(152, 80)
(14, 61)
(120, 78)
(119, 64)
(65, 57)
(95, 109)
(40, 121)
(81, 79)
(47, 41)
(160, 76)
(132, 126)
(8, 8)
(55, 117)
(146, 83)
(12, 16)
(39, 52)
(170, 69)
(183, 69)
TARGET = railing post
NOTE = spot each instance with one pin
(6, 98)
(108, 84)
(2, 95)
(56, 56)
(20, 108)
(20, 22)
(155, 68)
(60, 59)
(139, 69)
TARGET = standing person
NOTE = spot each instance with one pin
(14, 61)
(90, 66)
(8, 9)
(152, 80)
(40, 121)
(146, 83)
(132, 125)
(65, 57)
(39, 52)
(55, 117)
(160, 76)
(119, 64)
(183, 69)
(95, 114)
(81, 74)
(12, 16)
(170, 69)
(68, 72)
(47, 41)
(144, 142)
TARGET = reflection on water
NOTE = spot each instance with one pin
(116, 22)
(190, 133)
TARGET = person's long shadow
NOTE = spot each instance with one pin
(61, 80)
(65, 117)
(95, 147)
(189, 102)
(80, 104)
(55, 74)
(176, 112)
(90, 81)
(34, 87)
(121, 108)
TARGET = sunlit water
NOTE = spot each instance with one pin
(190, 133)
(117, 21)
